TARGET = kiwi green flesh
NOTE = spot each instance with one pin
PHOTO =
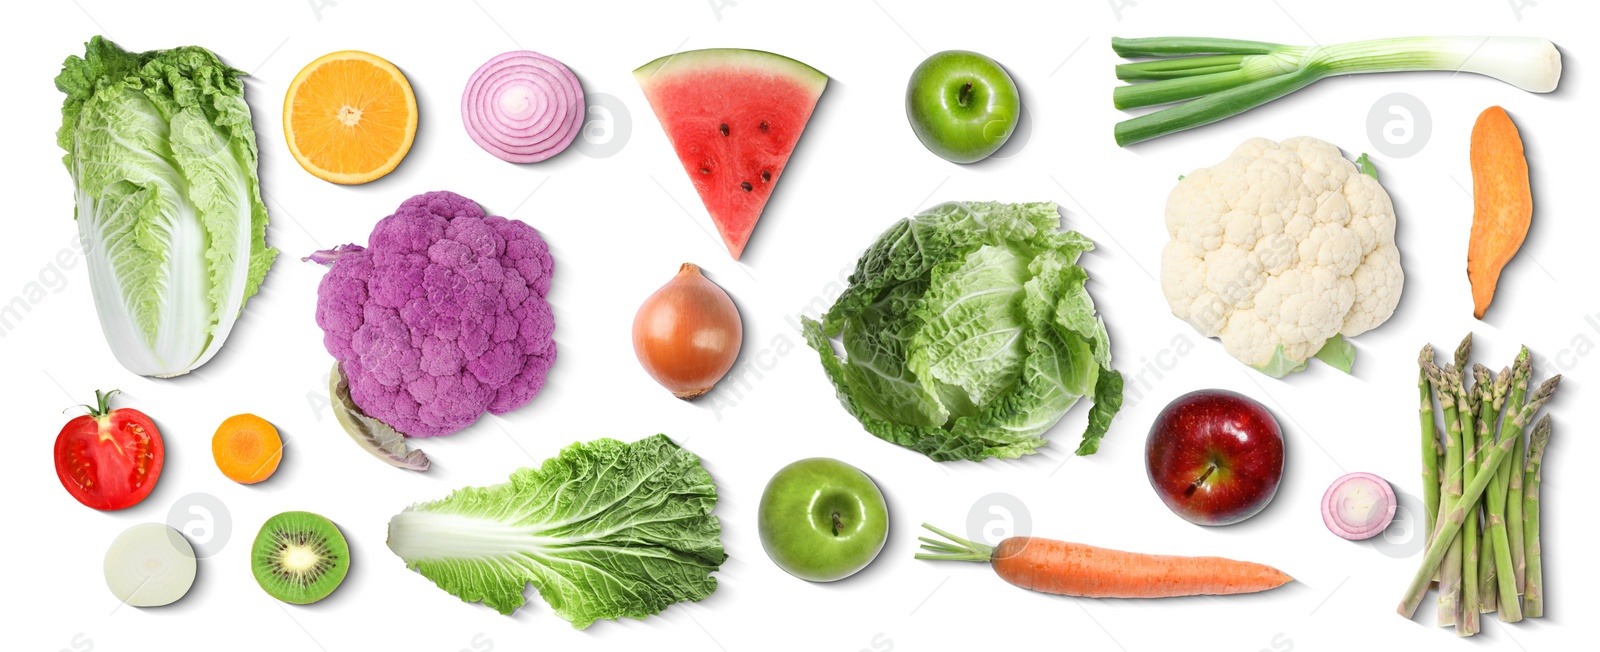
(299, 557)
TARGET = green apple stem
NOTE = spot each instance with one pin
(966, 94)
(838, 526)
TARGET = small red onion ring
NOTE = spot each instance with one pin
(1358, 506)
(523, 107)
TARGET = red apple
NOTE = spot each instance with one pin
(1214, 457)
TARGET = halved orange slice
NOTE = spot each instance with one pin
(349, 117)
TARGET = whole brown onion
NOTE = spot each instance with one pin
(687, 334)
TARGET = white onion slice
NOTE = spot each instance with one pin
(523, 107)
(1358, 506)
(150, 565)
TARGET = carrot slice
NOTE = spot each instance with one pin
(1502, 201)
(247, 448)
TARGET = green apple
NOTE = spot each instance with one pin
(962, 105)
(822, 520)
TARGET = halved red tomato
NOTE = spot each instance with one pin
(109, 459)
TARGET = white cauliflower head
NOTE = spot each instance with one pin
(1281, 245)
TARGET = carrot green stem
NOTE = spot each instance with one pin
(961, 549)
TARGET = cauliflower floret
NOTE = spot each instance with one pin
(1281, 245)
(442, 317)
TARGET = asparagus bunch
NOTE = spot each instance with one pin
(1481, 493)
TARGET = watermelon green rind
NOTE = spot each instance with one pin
(775, 63)
(733, 118)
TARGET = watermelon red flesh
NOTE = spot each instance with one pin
(734, 117)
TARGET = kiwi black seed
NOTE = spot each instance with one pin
(299, 557)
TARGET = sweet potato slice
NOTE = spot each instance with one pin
(1502, 203)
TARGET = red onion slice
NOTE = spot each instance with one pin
(1358, 506)
(523, 107)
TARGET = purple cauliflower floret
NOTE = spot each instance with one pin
(441, 317)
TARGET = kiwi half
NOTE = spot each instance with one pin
(299, 557)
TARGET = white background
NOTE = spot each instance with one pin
(620, 225)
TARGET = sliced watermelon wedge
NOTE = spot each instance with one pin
(733, 117)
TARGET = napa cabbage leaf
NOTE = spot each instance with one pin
(603, 530)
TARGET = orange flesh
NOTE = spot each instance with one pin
(247, 448)
(1065, 568)
(350, 117)
(1502, 200)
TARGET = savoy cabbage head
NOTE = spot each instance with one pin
(968, 333)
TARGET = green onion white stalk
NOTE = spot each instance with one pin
(1231, 76)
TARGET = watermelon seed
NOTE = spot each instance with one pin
(705, 170)
(765, 127)
(723, 129)
(766, 175)
(966, 95)
(746, 185)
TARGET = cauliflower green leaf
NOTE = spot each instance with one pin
(1338, 353)
(603, 530)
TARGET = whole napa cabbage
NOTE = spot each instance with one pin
(163, 159)
(442, 317)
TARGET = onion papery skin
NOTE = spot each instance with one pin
(523, 107)
(687, 334)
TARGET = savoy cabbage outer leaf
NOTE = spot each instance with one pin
(968, 333)
(163, 156)
(603, 530)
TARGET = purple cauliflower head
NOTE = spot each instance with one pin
(441, 317)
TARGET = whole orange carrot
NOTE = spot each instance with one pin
(1076, 569)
